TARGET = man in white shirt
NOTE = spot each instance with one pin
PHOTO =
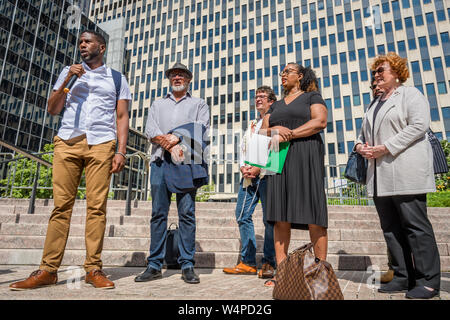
(86, 141)
(252, 189)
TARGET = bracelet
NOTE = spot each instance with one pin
(122, 154)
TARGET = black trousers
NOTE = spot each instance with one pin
(410, 239)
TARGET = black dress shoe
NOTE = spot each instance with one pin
(393, 287)
(421, 293)
(189, 276)
(148, 275)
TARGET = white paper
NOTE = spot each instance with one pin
(258, 149)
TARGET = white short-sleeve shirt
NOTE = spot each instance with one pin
(91, 104)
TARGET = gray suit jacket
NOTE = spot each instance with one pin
(400, 125)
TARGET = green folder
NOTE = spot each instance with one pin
(275, 161)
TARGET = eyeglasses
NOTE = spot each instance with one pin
(373, 87)
(261, 97)
(287, 71)
(177, 74)
(380, 70)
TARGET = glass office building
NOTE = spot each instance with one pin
(35, 44)
(37, 39)
(234, 46)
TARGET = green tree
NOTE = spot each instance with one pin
(204, 193)
(21, 177)
(441, 198)
(443, 180)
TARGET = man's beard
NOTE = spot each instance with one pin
(91, 56)
(179, 88)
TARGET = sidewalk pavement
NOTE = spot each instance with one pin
(214, 285)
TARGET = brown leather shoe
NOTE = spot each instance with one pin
(99, 280)
(241, 268)
(387, 276)
(37, 279)
(266, 272)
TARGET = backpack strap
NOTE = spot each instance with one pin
(117, 77)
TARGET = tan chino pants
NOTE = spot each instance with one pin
(70, 158)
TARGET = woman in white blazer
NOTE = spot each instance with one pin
(399, 175)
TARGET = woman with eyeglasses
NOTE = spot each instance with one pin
(296, 197)
(400, 173)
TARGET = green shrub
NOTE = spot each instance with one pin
(443, 180)
(23, 178)
(439, 199)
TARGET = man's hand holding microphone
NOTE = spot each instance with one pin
(75, 72)
(58, 97)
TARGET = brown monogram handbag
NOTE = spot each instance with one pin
(303, 277)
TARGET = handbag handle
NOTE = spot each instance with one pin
(308, 246)
(173, 223)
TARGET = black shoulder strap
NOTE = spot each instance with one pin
(117, 77)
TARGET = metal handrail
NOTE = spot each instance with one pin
(338, 189)
(341, 191)
(27, 154)
(146, 158)
(11, 165)
(21, 158)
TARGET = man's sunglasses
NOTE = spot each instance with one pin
(380, 70)
(373, 87)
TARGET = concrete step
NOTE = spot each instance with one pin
(201, 207)
(111, 203)
(440, 222)
(371, 225)
(212, 232)
(202, 245)
(133, 231)
(355, 237)
(203, 259)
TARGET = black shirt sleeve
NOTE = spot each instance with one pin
(315, 97)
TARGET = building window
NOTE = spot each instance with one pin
(348, 124)
(350, 146)
(442, 88)
(341, 147)
(358, 124)
(329, 127)
(366, 99)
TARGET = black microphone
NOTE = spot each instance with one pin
(70, 83)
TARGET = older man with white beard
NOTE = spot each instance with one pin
(174, 110)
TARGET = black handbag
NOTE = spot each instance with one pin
(356, 169)
(172, 251)
(439, 159)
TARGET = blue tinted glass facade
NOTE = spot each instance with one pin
(253, 41)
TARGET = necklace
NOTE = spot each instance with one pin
(293, 94)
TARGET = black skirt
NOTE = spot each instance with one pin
(297, 194)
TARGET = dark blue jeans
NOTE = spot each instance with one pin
(158, 224)
(247, 200)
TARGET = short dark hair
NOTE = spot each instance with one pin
(271, 96)
(99, 36)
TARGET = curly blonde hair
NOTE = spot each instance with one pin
(398, 64)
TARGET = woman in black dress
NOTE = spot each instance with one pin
(296, 197)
